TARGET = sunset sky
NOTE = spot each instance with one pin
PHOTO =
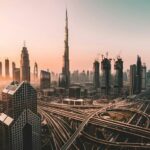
(95, 26)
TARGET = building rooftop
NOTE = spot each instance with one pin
(6, 119)
(12, 87)
(68, 99)
(48, 90)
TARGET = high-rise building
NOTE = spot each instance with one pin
(74, 92)
(24, 65)
(88, 75)
(19, 97)
(148, 78)
(139, 75)
(82, 77)
(144, 77)
(22, 124)
(35, 74)
(26, 132)
(65, 76)
(7, 68)
(1, 69)
(16, 74)
(106, 76)
(133, 79)
(5, 131)
(96, 79)
(118, 81)
(13, 69)
(45, 79)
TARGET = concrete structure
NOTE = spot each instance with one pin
(18, 97)
(21, 127)
(48, 92)
(45, 79)
(7, 75)
(13, 69)
(144, 77)
(35, 73)
(16, 74)
(59, 91)
(96, 79)
(5, 131)
(1, 69)
(73, 101)
(74, 92)
(118, 81)
(65, 82)
(106, 76)
(24, 65)
(148, 78)
(25, 132)
(139, 75)
(132, 79)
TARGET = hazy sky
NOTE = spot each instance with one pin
(95, 26)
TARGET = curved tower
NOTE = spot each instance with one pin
(24, 65)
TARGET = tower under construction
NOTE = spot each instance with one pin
(118, 80)
(106, 76)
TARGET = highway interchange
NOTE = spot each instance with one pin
(70, 127)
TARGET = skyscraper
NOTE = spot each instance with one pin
(7, 68)
(106, 76)
(24, 65)
(22, 127)
(5, 131)
(45, 79)
(35, 74)
(132, 79)
(139, 75)
(13, 69)
(65, 69)
(96, 74)
(144, 77)
(19, 96)
(16, 74)
(118, 84)
(0, 69)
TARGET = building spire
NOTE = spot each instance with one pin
(66, 27)
(66, 18)
(65, 68)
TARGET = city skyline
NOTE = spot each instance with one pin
(93, 23)
(74, 75)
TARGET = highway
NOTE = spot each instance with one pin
(115, 125)
(77, 114)
(59, 131)
(133, 120)
(81, 127)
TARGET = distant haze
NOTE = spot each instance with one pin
(95, 26)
